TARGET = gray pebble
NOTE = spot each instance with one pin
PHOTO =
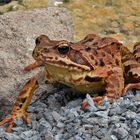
(78, 138)
(137, 133)
(19, 129)
(30, 135)
(134, 124)
(48, 136)
(56, 116)
(44, 126)
(60, 125)
(102, 114)
(74, 104)
(120, 133)
(18, 121)
(113, 137)
(130, 115)
(10, 136)
(58, 137)
(31, 109)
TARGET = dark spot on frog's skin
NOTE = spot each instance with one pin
(96, 63)
(23, 100)
(88, 49)
(112, 55)
(101, 62)
(118, 48)
(117, 61)
(103, 53)
(51, 58)
(92, 57)
(95, 43)
(113, 43)
(45, 50)
(93, 79)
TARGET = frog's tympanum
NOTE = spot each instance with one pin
(93, 64)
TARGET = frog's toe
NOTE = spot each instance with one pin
(10, 120)
(96, 100)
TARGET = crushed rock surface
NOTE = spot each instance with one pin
(58, 116)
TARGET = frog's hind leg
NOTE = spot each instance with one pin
(132, 70)
(114, 87)
(21, 104)
(131, 86)
(136, 51)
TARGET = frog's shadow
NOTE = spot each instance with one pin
(62, 95)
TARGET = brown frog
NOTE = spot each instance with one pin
(92, 64)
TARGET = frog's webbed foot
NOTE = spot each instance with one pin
(97, 100)
(131, 86)
(10, 120)
(114, 87)
(21, 104)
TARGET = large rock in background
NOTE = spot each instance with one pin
(18, 31)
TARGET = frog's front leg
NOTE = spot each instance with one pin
(114, 85)
(22, 102)
(33, 66)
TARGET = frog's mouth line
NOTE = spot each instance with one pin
(70, 66)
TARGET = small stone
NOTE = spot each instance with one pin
(130, 115)
(1, 130)
(88, 126)
(94, 138)
(44, 126)
(99, 134)
(56, 116)
(60, 125)
(138, 118)
(104, 105)
(92, 121)
(114, 119)
(48, 136)
(34, 124)
(10, 136)
(102, 114)
(74, 112)
(74, 104)
(134, 124)
(91, 106)
(18, 121)
(78, 138)
(58, 137)
(113, 137)
(103, 122)
(120, 133)
(31, 109)
(137, 133)
(19, 129)
(28, 135)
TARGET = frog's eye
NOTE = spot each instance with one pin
(63, 48)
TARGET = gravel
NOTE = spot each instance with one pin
(59, 117)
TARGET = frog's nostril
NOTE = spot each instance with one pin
(45, 50)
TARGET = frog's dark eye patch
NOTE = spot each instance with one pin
(63, 48)
(93, 79)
